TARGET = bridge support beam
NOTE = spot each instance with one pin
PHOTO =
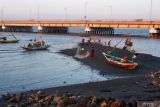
(154, 33)
(99, 31)
(18, 29)
(55, 30)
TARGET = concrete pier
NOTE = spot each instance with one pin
(55, 30)
(99, 31)
(154, 33)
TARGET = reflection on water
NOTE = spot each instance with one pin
(21, 70)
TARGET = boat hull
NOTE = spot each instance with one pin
(9, 41)
(35, 48)
(128, 65)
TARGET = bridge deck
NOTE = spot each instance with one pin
(113, 24)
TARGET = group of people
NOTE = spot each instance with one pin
(127, 46)
(82, 49)
(36, 43)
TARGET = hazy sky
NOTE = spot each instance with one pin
(96, 9)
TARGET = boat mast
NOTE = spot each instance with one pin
(114, 52)
(133, 55)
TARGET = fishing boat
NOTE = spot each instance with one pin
(121, 62)
(39, 45)
(5, 40)
(9, 41)
(32, 48)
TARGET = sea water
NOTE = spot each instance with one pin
(22, 70)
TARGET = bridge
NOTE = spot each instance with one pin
(113, 24)
(92, 27)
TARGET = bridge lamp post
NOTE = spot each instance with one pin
(85, 16)
(85, 11)
(39, 27)
(151, 11)
(2, 18)
(38, 8)
(30, 14)
(66, 13)
(110, 7)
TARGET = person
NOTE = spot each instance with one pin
(4, 38)
(109, 52)
(29, 45)
(40, 42)
(128, 44)
(83, 41)
(99, 41)
(89, 41)
(109, 43)
(105, 43)
(92, 53)
(81, 50)
(125, 59)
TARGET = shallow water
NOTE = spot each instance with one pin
(21, 70)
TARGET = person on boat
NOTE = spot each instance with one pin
(29, 45)
(40, 42)
(125, 59)
(109, 52)
(5, 38)
(35, 40)
(109, 43)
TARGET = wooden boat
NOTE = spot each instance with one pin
(9, 41)
(4, 39)
(32, 48)
(119, 62)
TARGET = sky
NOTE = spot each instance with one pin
(75, 9)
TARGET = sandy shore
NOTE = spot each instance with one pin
(141, 85)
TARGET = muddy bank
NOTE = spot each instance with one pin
(147, 63)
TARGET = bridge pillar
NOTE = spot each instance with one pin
(55, 29)
(99, 31)
(154, 33)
